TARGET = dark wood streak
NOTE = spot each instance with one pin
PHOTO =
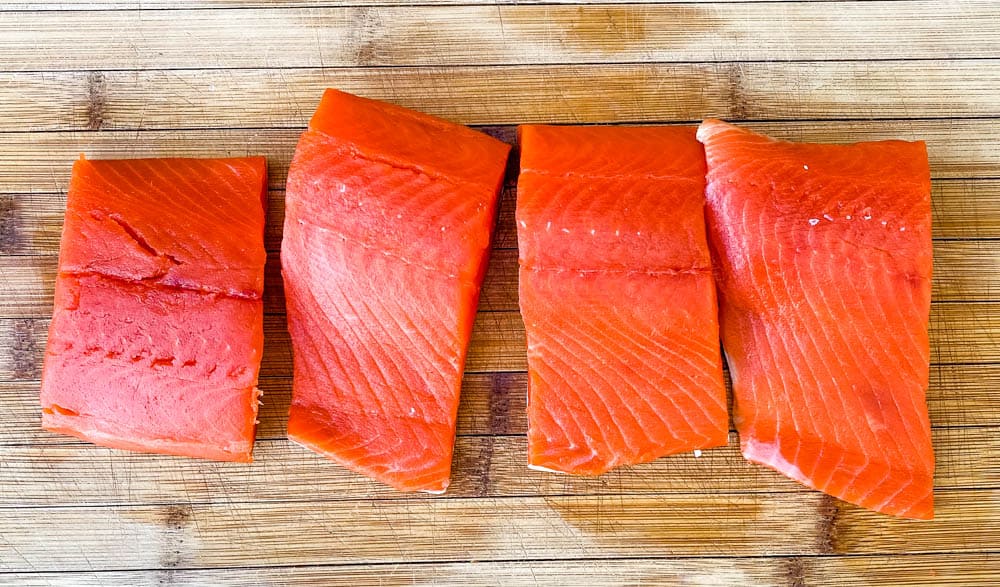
(501, 386)
(97, 98)
(736, 92)
(10, 236)
(795, 572)
(24, 351)
(367, 34)
(826, 525)
(483, 466)
(166, 577)
(500, 390)
(506, 133)
(174, 519)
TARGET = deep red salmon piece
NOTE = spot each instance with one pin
(156, 337)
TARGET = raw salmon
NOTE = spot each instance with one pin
(388, 220)
(156, 338)
(617, 297)
(824, 271)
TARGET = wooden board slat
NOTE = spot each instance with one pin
(574, 94)
(963, 271)
(964, 570)
(339, 37)
(966, 208)
(41, 162)
(80, 474)
(959, 332)
(959, 267)
(959, 395)
(965, 333)
(859, 530)
(557, 527)
(759, 572)
(900, 571)
(64, 5)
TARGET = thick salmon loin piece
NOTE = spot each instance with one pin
(156, 337)
(824, 272)
(388, 221)
(617, 296)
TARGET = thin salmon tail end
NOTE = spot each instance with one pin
(922, 510)
(710, 127)
(880, 487)
(585, 462)
(78, 167)
(329, 97)
(435, 482)
(522, 130)
(308, 429)
(558, 466)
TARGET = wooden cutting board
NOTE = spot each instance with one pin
(122, 78)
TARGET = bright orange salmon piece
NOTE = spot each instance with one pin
(824, 269)
(617, 297)
(388, 220)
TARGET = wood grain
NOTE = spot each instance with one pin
(965, 570)
(344, 37)
(484, 466)
(64, 5)
(31, 224)
(900, 571)
(41, 162)
(267, 98)
(482, 529)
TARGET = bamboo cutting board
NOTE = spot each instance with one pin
(123, 78)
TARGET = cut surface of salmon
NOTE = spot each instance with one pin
(156, 337)
(388, 221)
(617, 296)
(823, 257)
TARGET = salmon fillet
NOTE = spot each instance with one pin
(617, 296)
(156, 337)
(388, 220)
(823, 255)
